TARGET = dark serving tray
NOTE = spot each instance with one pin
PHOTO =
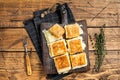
(48, 62)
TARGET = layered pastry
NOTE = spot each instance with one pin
(49, 37)
(73, 30)
(57, 30)
(62, 63)
(75, 45)
(57, 48)
(78, 60)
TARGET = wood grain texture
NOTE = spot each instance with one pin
(28, 65)
(95, 12)
(15, 36)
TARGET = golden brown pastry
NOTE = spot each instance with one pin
(78, 60)
(57, 30)
(49, 37)
(75, 45)
(62, 63)
(57, 48)
(72, 30)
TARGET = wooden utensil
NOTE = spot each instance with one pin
(27, 58)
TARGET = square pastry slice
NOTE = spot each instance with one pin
(57, 48)
(62, 63)
(73, 30)
(49, 37)
(57, 30)
(75, 45)
(78, 60)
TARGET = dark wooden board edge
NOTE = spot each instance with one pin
(48, 61)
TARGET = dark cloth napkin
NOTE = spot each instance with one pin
(32, 26)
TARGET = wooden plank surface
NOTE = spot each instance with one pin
(96, 12)
(15, 36)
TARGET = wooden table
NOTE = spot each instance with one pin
(12, 31)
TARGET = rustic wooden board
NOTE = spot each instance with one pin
(48, 62)
(12, 14)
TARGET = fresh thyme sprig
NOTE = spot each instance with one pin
(99, 46)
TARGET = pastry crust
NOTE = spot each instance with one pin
(57, 48)
(57, 30)
(72, 30)
(75, 45)
(62, 63)
(78, 60)
(49, 37)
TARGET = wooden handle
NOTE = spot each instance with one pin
(28, 65)
(64, 16)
